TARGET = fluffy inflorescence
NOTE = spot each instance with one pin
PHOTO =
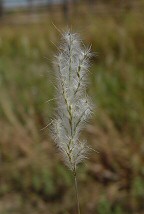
(74, 107)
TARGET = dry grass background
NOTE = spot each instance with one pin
(32, 176)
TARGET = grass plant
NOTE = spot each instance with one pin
(73, 105)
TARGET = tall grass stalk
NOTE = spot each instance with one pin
(74, 106)
(77, 194)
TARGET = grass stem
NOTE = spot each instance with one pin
(77, 194)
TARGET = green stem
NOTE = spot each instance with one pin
(77, 194)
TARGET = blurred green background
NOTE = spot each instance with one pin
(33, 178)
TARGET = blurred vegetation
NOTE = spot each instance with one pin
(32, 177)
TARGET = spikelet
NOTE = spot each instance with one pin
(74, 107)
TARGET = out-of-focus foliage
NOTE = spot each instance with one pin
(32, 178)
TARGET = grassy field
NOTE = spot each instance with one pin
(33, 178)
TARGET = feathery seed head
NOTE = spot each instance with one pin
(74, 107)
